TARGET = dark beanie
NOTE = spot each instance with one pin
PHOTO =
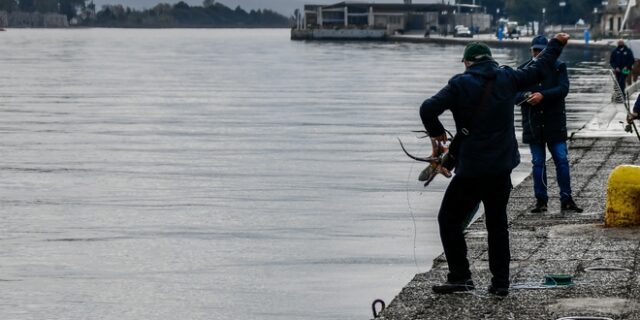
(476, 51)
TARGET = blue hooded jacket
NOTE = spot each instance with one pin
(547, 121)
(621, 57)
(491, 147)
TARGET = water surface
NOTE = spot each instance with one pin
(219, 174)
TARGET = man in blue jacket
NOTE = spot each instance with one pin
(621, 62)
(544, 125)
(482, 101)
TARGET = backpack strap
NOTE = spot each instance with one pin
(465, 131)
(488, 88)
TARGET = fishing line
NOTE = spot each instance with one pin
(619, 95)
(413, 218)
(543, 174)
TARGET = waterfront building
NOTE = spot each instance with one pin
(613, 23)
(389, 18)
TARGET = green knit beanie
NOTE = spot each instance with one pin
(476, 51)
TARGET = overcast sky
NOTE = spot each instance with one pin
(285, 7)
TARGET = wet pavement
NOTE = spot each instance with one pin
(604, 262)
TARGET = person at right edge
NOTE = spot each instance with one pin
(544, 125)
(482, 101)
(635, 113)
(621, 62)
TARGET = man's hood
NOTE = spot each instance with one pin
(486, 69)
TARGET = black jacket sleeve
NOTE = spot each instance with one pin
(630, 59)
(533, 73)
(560, 91)
(612, 60)
(520, 94)
(435, 106)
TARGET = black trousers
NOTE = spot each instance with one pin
(461, 197)
(622, 81)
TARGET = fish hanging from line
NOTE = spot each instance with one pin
(440, 161)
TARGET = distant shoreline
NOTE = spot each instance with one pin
(124, 27)
(489, 39)
(179, 15)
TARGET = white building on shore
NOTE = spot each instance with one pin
(613, 23)
(394, 17)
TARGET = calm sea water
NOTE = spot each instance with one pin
(219, 174)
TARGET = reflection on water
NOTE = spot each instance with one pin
(217, 174)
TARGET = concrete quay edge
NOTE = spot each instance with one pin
(604, 262)
(607, 44)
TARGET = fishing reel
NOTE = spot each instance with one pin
(525, 97)
(628, 126)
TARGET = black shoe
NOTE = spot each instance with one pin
(498, 291)
(570, 205)
(541, 206)
(456, 286)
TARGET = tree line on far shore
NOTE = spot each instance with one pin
(66, 7)
(211, 14)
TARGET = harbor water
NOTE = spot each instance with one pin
(221, 174)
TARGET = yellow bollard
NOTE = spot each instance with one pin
(623, 197)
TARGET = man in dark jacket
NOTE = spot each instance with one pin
(544, 125)
(621, 61)
(481, 101)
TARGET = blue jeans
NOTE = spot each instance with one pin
(538, 158)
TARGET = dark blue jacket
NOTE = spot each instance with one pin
(636, 106)
(546, 121)
(491, 147)
(621, 57)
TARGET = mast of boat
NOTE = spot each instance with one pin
(631, 3)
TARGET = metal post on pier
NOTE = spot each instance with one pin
(346, 16)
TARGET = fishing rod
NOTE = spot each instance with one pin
(527, 96)
(625, 100)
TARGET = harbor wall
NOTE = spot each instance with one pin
(338, 34)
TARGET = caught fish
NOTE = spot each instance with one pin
(440, 161)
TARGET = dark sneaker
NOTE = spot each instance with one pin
(498, 291)
(569, 205)
(541, 206)
(451, 287)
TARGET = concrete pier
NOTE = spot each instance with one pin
(489, 39)
(604, 262)
(493, 42)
